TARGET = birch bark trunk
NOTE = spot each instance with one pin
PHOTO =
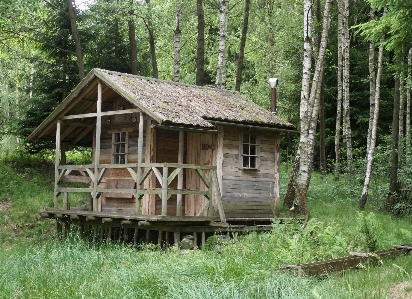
(176, 44)
(308, 140)
(242, 46)
(339, 96)
(401, 114)
(221, 58)
(304, 96)
(372, 85)
(390, 202)
(76, 38)
(374, 126)
(408, 102)
(346, 88)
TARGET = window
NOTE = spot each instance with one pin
(119, 147)
(249, 151)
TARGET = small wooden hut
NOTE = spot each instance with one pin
(166, 156)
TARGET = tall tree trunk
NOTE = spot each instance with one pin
(408, 102)
(132, 41)
(221, 58)
(401, 114)
(291, 192)
(152, 42)
(340, 94)
(242, 46)
(311, 113)
(322, 135)
(76, 38)
(304, 96)
(176, 44)
(373, 123)
(200, 60)
(390, 202)
(346, 90)
(372, 85)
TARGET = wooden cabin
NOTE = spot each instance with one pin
(164, 151)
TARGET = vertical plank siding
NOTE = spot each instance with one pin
(249, 184)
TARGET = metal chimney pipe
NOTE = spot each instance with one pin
(273, 82)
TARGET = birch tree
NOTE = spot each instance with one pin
(373, 120)
(176, 44)
(372, 84)
(401, 113)
(221, 58)
(339, 96)
(347, 131)
(310, 101)
(408, 101)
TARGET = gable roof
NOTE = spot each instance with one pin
(167, 102)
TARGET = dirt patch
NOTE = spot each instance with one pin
(4, 205)
(402, 290)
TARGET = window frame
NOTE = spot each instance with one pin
(253, 151)
(114, 153)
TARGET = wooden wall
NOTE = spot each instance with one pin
(201, 150)
(119, 178)
(249, 184)
(167, 149)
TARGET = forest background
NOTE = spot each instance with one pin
(355, 82)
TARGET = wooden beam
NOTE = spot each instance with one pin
(164, 190)
(180, 174)
(97, 145)
(254, 126)
(139, 162)
(185, 129)
(56, 164)
(106, 113)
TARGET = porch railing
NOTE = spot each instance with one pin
(207, 174)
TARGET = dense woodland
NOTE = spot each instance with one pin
(344, 69)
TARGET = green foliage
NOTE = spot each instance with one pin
(367, 231)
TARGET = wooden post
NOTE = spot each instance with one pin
(65, 201)
(164, 190)
(177, 238)
(218, 197)
(139, 164)
(135, 236)
(219, 157)
(97, 146)
(180, 175)
(203, 239)
(56, 164)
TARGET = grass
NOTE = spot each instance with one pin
(33, 264)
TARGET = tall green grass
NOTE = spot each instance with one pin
(35, 265)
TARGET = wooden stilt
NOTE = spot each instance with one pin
(203, 238)
(135, 236)
(194, 239)
(148, 236)
(176, 238)
(167, 239)
(159, 238)
(109, 234)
